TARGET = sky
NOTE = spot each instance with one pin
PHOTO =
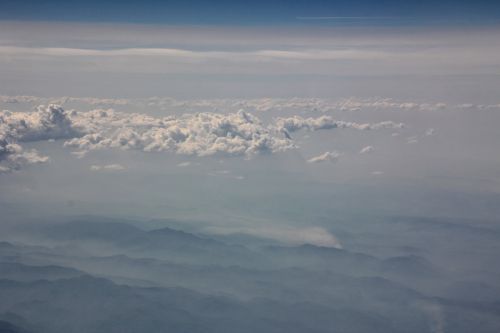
(188, 49)
(102, 99)
(257, 12)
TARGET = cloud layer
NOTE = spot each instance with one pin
(239, 133)
(296, 123)
(201, 134)
(225, 105)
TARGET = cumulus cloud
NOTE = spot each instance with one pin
(366, 150)
(14, 157)
(325, 157)
(200, 134)
(295, 123)
(46, 123)
(238, 133)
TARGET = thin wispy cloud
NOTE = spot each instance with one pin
(184, 54)
(347, 18)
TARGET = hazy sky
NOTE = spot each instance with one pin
(310, 100)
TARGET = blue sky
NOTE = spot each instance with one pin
(358, 12)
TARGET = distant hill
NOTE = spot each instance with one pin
(21, 272)
(6, 327)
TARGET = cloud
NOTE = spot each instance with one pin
(46, 123)
(436, 316)
(295, 123)
(412, 140)
(357, 104)
(326, 157)
(108, 167)
(200, 134)
(186, 55)
(291, 235)
(239, 133)
(51, 122)
(14, 157)
(430, 132)
(227, 105)
(226, 174)
(346, 17)
(313, 235)
(366, 150)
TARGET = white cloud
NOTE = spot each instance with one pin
(412, 140)
(325, 157)
(296, 123)
(200, 134)
(13, 156)
(430, 132)
(185, 55)
(311, 235)
(367, 149)
(238, 133)
(108, 167)
(46, 123)
(50, 122)
(227, 105)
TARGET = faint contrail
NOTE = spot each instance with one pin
(346, 17)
